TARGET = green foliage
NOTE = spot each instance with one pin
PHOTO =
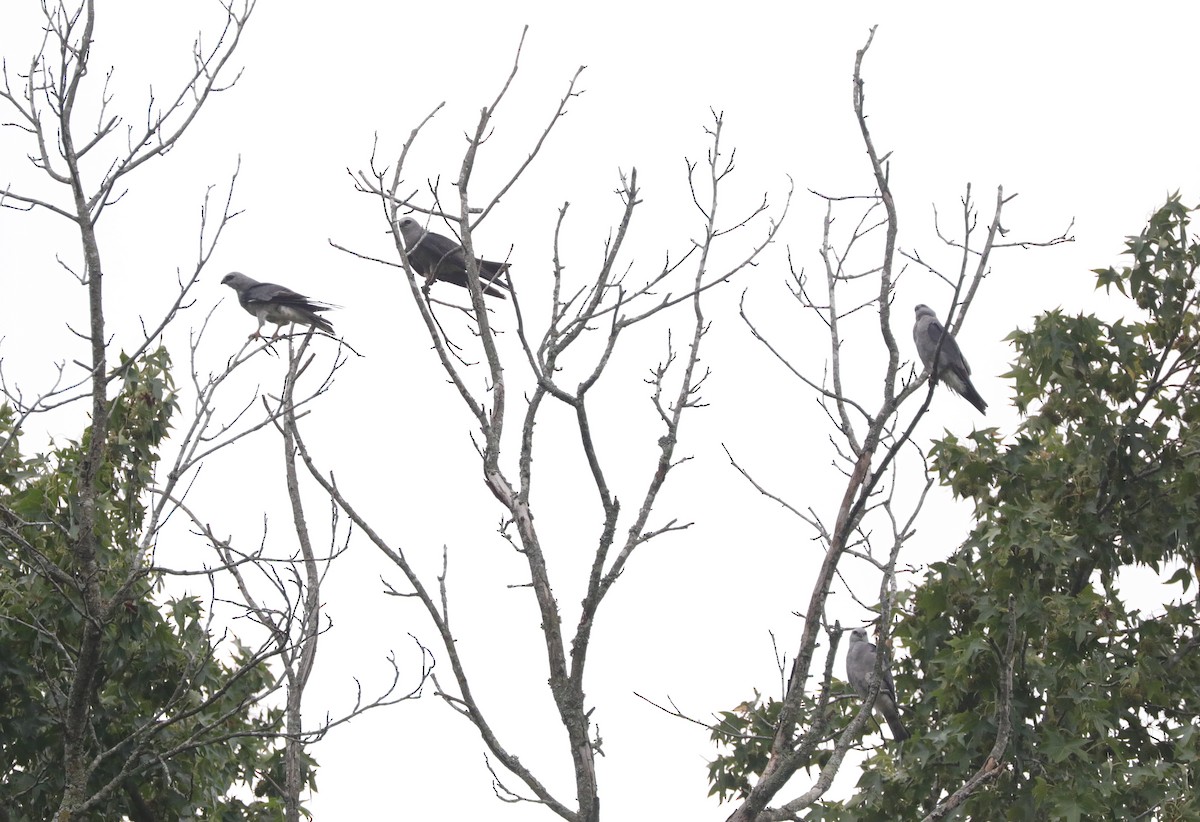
(1101, 477)
(171, 718)
(745, 735)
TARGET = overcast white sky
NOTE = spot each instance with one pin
(1087, 116)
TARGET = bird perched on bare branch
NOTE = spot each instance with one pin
(277, 304)
(860, 663)
(951, 367)
(439, 258)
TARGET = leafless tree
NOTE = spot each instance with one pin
(873, 437)
(279, 593)
(586, 322)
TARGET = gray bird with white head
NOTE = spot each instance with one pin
(439, 258)
(952, 368)
(277, 304)
(860, 663)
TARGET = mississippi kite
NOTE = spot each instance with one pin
(439, 258)
(952, 368)
(860, 663)
(280, 305)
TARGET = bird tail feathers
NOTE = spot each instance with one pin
(899, 732)
(494, 277)
(972, 396)
(961, 384)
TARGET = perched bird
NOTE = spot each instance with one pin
(439, 258)
(860, 663)
(276, 303)
(952, 368)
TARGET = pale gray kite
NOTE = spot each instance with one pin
(435, 257)
(952, 368)
(860, 663)
(277, 304)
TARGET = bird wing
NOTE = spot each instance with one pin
(440, 253)
(437, 244)
(951, 356)
(888, 687)
(860, 662)
(273, 294)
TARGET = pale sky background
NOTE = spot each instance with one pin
(1086, 113)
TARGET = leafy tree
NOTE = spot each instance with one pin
(874, 398)
(164, 693)
(1038, 686)
(1101, 477)
(1030, 664)
(112, 703)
